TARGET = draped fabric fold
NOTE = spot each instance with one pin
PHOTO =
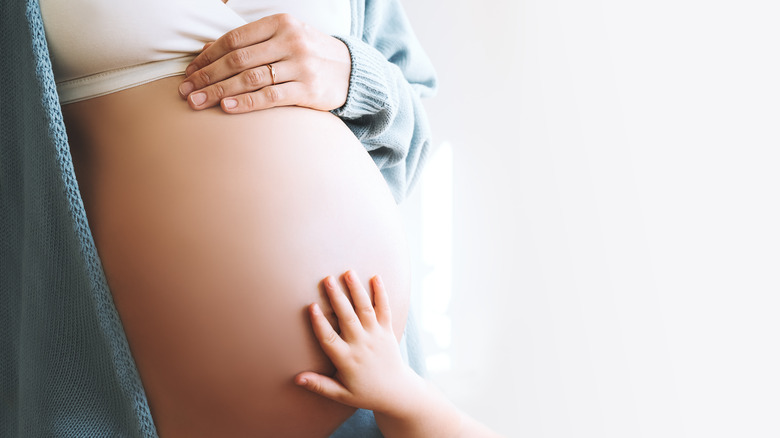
(65, 366)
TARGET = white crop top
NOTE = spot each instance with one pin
(98, 47)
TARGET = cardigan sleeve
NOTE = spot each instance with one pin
(390, 73)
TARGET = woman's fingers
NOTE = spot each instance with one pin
(330, 341)
(249, 80)
(324, 386)
(240, 37)
(285, 94)
(381, 303)
(249, 46)
(232, 64)
(361, 300)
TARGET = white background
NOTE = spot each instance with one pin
(615, 215)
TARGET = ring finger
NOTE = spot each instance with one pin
(231, 64)
(249, 80)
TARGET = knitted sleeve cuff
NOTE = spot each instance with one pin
(368, 84)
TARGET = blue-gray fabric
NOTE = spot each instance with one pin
(65, 365)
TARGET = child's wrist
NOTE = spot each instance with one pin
(416, 393)
(424, 413)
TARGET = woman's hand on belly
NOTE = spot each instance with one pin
(309, 68)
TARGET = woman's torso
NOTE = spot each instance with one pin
(214, 231)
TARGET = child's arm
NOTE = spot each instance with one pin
(371, 374)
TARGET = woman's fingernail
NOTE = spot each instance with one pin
(302, 381)
(186, 88)
(230, 103)
(190, 70)
(379, 281)
(316, 309)
(198, 98)
(329, 281)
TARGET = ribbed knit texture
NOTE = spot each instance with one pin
(383, 107)
(65, 366)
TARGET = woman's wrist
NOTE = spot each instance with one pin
(368, 91)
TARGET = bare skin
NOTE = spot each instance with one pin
(371, 373)
(214, 230)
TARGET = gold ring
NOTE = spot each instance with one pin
(273, 73)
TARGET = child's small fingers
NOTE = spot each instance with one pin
(363, 307)
(330, 341)
(348, 321)
(324, 386)
(381, 303)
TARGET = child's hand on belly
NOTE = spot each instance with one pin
(370, 372)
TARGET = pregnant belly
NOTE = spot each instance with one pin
(214, 232)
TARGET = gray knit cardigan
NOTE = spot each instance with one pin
(65, 365)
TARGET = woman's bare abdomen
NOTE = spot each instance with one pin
(214, 231)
